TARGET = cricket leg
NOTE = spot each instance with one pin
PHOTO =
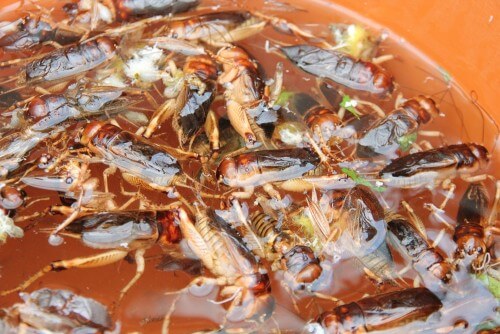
(92, 261)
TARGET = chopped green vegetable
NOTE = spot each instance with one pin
(284, 97)
(360, 180)
(406, 141)
(446, 76)
(349, 105)
(304, 222)
(491, 283)
(488, 324)
(354, 39)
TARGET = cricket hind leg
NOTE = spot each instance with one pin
(198, 281)
(140, 263)
(92, 261)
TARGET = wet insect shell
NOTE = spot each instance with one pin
(90, 131)
(301, 262)
(11, 198)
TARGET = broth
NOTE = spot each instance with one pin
(146, 303)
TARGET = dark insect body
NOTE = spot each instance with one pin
(381, 312)
(126, 230)
(340, 68)
(417, 248)
(47, 111)
(146, 163)
(428, 167)
(261, 167)
(132, 8)
(32, 31)
(385, 136)
(469, 232)
(70, 61)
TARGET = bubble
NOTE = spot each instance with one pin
(11, 197)
(201, 290)
(55, 240)
(314, 328)
(172, 194)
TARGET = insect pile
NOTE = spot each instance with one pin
(278, 174)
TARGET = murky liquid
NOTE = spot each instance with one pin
(143, 308)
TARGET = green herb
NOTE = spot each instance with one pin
(406, 141)
(360, 180)
(304, 223)
(491, 283)
(284, 97)
(446, 76)
(348, 105)
(488, 325)
(354, 39)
